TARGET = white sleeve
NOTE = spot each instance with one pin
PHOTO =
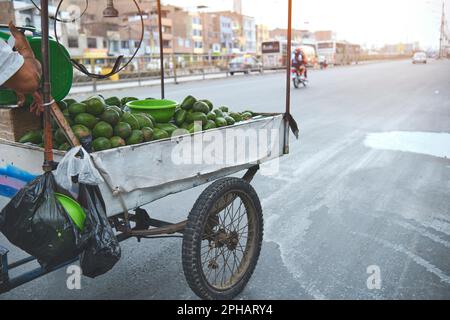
(10, 62)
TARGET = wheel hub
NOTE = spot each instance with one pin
(224, 238)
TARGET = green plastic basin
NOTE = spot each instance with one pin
(61, 71)
(161, 110)
(74, 210)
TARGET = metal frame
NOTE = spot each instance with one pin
(121, 223)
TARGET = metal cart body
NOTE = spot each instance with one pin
(138, 175)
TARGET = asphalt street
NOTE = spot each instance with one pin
(339, 207)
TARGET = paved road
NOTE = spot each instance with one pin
(338, 205)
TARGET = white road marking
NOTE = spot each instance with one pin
(428, 143)
(417, 259)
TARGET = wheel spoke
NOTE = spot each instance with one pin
(227, 243)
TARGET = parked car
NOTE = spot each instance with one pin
(420, 57)
(244, 64)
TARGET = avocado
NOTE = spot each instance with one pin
(113, 101)
(168, 127)
(122, 130)
(111, 116)
(218, 113)
(148, 115)
(196, 116)
(131, 120)
(95, 105)
(117, 142)
(143, 121)
(116, 108)
(246, 115)
(209, 125)
(148, 134)
(101, 144)
(236, 116)
(69, 102)
(81, 131)
(59, 136)
(159, 134)
(211, 116)
(188, 103)
(136, 137)
(224, 109)
(34, 137)
(77, 108)
(195, 127)
(103, 130)
(209, 103)
(200, 106)
(65, 147)
(230, 120)
(86, 119)
(125, 100)
(180, 117)
(62, 105)
(221, 122)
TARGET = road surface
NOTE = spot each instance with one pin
(366, 189)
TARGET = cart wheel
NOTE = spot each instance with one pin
(222, 239)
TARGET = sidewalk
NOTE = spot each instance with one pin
(124, 84)
(150, 82)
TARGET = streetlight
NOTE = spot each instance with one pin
(442, 33)
(110, 11)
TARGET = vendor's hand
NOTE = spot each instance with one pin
(21, 44)
(38, 103)
(27, 79)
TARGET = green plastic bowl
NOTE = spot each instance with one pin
(161, 110)
(74, 210)
(61, 71)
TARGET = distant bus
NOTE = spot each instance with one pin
(274, 53)
(338, 53)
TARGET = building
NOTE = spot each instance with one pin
(262, 35)
(280, 34)
(400, 49)
(243, 29)
(212, 35)
(196, 32)
(237, 6)
(325, 35)
(227, 35)
(6, 11)
(102, 37)
(249, 34)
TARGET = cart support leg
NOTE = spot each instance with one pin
(250, 174)
(4, 276)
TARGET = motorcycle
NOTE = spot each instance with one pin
(298, 78)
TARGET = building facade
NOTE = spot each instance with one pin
(262, 35)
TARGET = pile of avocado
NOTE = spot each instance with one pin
(192, 111)
(110, 125)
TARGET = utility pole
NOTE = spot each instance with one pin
(442, 33)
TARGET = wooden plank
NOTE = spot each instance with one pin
(64, 125)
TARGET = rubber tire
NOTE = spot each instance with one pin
(295, 83)
(232, 73)
(193, 232)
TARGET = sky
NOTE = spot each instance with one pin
(369, 22)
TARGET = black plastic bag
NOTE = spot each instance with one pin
(103, 250)
(36, 222)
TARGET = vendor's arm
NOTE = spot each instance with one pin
(19, 71)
